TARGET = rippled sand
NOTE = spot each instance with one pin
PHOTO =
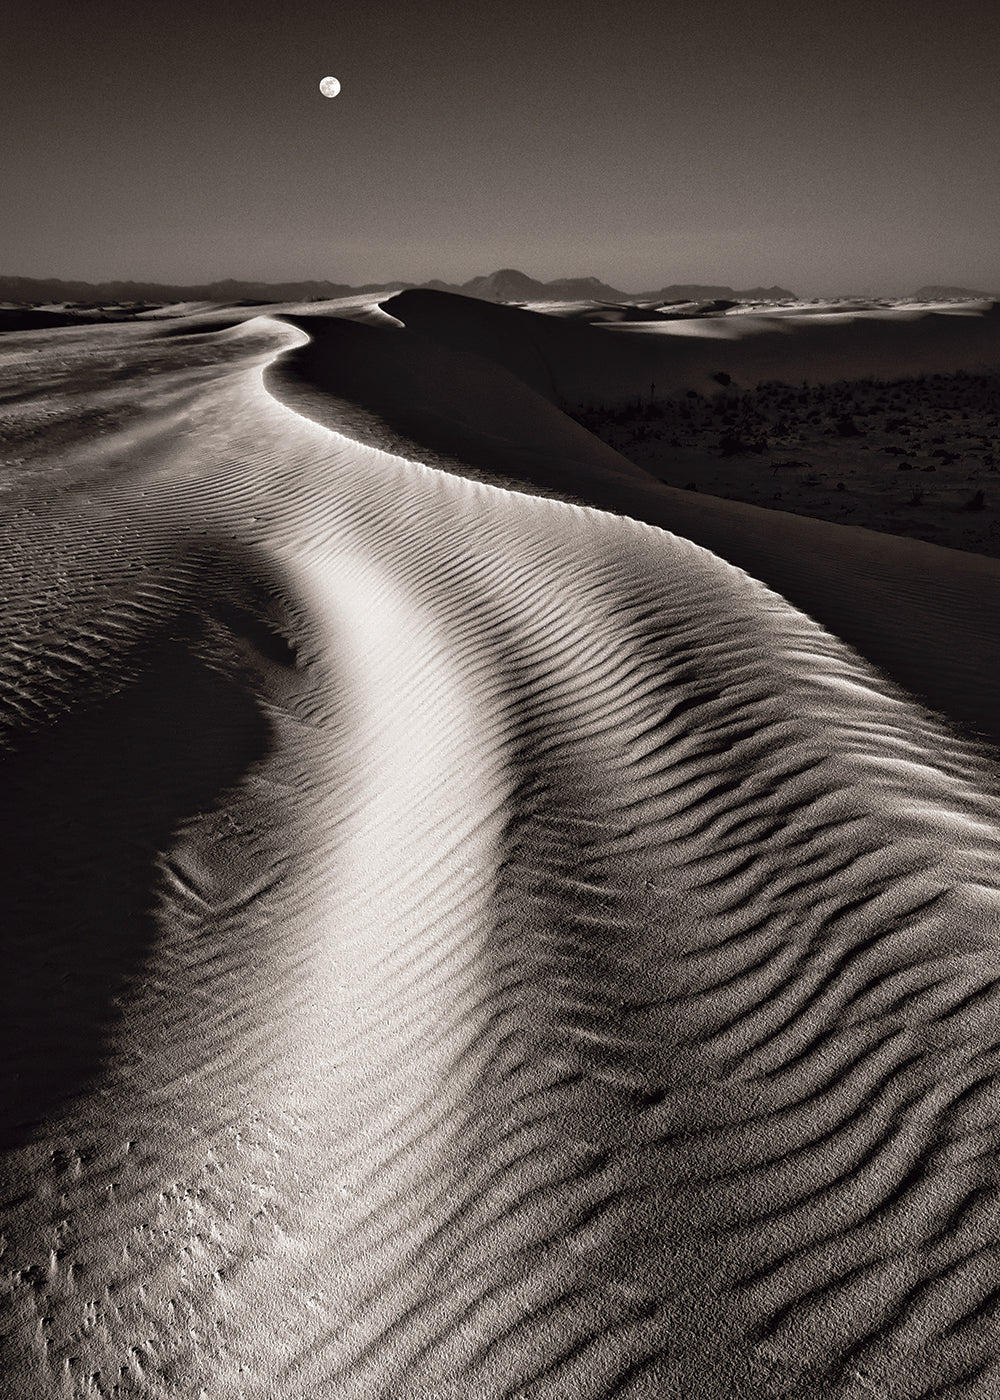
(470, 940)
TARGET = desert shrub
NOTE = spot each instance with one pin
(846, 426)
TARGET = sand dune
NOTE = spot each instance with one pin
(576, 363)
(897, 601)
(466, 943)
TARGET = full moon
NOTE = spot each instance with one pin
(329, 87)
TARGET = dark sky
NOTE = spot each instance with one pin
(832, 148)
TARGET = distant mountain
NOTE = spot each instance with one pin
(766, 294)
(950, 294)
(582, 289)
(53, 289)
(506, 285)
(685, 292)
(510, 285)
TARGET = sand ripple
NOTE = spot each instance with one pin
(468, 944)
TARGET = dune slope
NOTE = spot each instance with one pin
(575, 363)
(927, 616)
(466, 943)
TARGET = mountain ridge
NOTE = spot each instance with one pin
(506, 284)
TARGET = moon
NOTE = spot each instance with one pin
(329, 87)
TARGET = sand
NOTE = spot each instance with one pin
(481, 940)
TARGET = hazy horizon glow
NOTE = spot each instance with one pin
(831, 150)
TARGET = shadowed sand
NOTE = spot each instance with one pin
(464, 942)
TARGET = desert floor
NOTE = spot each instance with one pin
(834, 451)
(481, 918)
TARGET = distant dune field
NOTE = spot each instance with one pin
(479, 921)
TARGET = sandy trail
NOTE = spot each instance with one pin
(464, 943)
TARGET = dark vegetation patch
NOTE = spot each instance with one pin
(838, 448)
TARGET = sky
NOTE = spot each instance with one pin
(830, 148)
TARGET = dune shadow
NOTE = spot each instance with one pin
(384, 380)
(87, 804)
(403, 392)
